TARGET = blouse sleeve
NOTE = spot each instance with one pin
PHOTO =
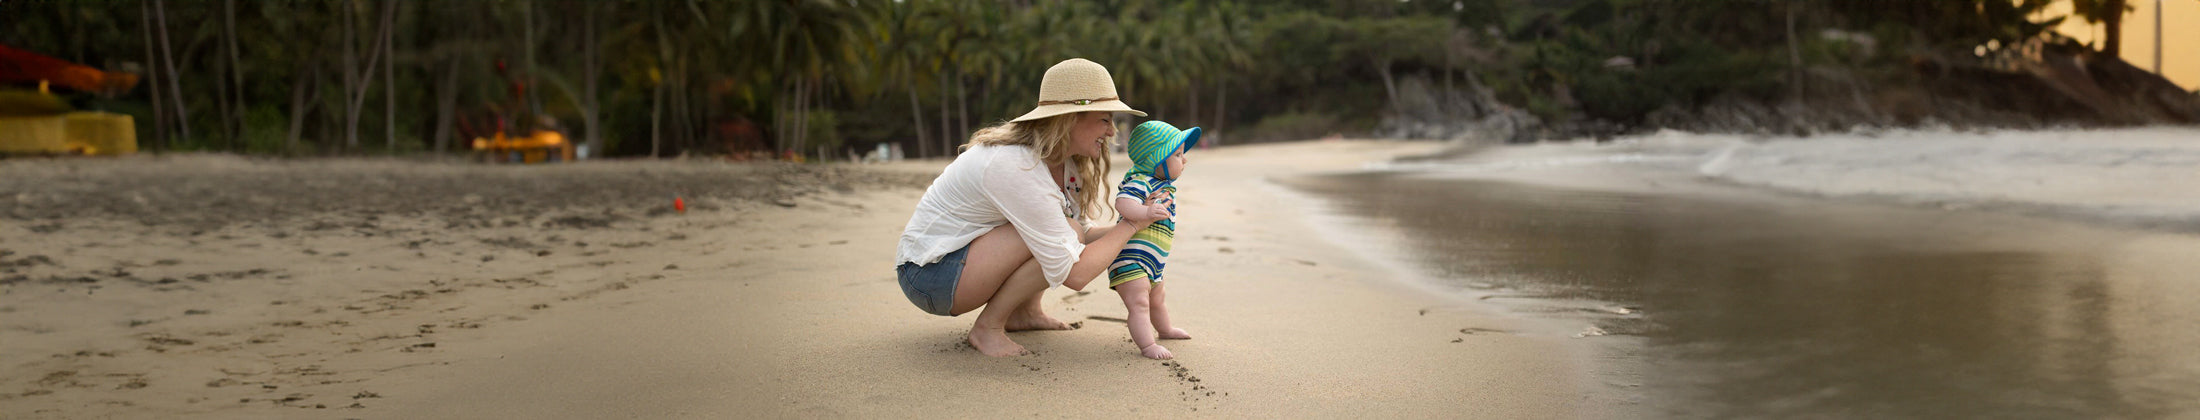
(1033, 204)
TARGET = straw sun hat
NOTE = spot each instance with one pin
(1077, 85)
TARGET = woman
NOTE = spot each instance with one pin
(1008, 218)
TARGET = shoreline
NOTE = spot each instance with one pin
(2119, 178)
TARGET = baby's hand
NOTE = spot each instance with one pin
(1157, 212)
(1158, 204)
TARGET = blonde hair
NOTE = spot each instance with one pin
(1049, 138)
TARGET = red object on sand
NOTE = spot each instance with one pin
(678, 205)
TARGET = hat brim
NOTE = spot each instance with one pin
(1044, 111)
(1191, 139)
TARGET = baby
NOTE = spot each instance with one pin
(1157, 159)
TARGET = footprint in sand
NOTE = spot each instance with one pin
(1184, 376)
(1107, 318)
(1076, 297)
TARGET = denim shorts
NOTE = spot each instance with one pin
(932, 286)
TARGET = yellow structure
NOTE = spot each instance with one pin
(83, 133)
(41, 134)
(100, 133)
(543, 146)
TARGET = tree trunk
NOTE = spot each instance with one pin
(1222, 115)
(2114, 40)
(985, 96)
(1191, 110)
(357, 98)
(236, 68)
(802, 114)
(947, 130)
(657, 93)
(916, 115)
(1795, 57)
(1390, 86)
(534, 107)
(656, 118)
(152, 77)
(591, 60)
(447, 106)
(683, 122)
(351, 61)
(783, 137)
(683, 133)
(962, 100)
(793, 132)
(221, 102)
(301, 102)
(389, 81)
(168, 59)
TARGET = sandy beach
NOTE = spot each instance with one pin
(216, 287)
(222, 287)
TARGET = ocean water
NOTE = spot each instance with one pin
(1782, 307)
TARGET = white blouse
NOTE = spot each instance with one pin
(988, 186)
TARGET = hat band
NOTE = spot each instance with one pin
(1076, 101)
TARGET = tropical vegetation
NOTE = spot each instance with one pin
(825, 78)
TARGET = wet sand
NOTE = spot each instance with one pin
(1709, 299)
(224, 288)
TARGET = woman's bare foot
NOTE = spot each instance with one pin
(1031, 322)
(1156, 352)
(1175, 334)
(994, 342)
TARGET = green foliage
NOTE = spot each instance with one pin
(825, 130)
(263, 130)
(678, 76)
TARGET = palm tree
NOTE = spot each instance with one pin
(895, 45)
(2109, 12)
(807, 39)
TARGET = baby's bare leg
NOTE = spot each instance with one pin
(1161, 325)
(1140, 319)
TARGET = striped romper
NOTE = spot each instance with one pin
(1144, 256)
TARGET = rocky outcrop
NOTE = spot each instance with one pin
(2043, 87)
(2040, 86)
(1468, 113)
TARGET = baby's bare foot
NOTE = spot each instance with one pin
(1157, 352)
(1030, 322)
(1175, 334)
(995, 342)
